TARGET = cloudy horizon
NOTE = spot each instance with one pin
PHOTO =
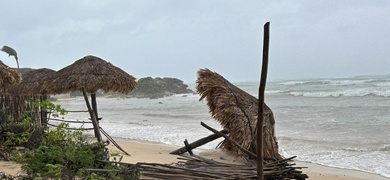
(173, 38)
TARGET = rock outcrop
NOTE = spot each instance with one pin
(154, 88)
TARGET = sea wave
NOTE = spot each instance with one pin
(347, 82)
(290, 83)
(385, 147)
(189, 95)
(382, 84)
(331, 82)
(347, 93)
(338, 82)
(277, 91)
(162, 115)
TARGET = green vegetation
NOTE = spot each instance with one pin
(25, 133)
(19, 132)
(54, 110)
(59, 153)
(63, 154)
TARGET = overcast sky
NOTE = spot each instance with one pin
(175, 38)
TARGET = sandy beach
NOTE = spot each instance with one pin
(159, 153)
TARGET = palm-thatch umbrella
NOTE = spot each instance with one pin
(8, 76)
(237, 112)
(35, 82)
(34, 85)
(90, 74)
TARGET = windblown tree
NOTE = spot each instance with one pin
(11, 52)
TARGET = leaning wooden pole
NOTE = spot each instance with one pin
(263, 78)
(94, 105)
(93, 117)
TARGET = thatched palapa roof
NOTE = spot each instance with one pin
(8, 76)
(92, 73)
(237, 111)
(35, 82)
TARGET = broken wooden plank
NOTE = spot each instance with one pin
(199, 142)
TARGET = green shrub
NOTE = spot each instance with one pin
(54, 110)
(21, 133)
(17, 133)
(64, 153)
(59, 153)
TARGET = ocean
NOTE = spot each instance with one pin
(338, 122)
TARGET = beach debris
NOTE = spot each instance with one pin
(198, 143)
(252, 155)
(196, 167)
(110, 139)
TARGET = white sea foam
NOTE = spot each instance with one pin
(382, 84)
(277, 91)
(289, 83)
(358, 92)
(346, 82)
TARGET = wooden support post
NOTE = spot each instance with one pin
(94, 105)
(93, 117)
(44, 114)
(263, 78)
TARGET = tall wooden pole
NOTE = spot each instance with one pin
(263, 78)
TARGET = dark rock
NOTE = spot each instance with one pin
(159, 87)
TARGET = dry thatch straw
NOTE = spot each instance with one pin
(35, 82)
(237, 111)
(91, 73)
(8, 76)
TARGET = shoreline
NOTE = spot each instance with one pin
(155, 152)
(323, 172)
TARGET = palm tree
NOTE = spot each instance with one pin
(11, 52)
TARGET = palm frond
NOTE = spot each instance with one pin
(11, 52)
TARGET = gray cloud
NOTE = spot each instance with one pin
(175, 38)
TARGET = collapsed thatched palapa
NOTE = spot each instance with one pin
(8, 76)
(237, 112)
(92, 73)
(35, 82)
